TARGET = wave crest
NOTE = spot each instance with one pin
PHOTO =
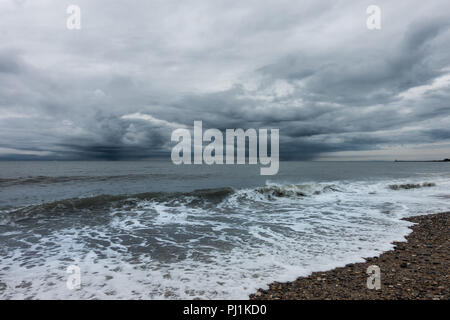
(104, 202)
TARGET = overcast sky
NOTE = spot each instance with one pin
(139, 69)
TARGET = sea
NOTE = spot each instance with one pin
(153, 230)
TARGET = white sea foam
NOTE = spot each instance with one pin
(181, 250)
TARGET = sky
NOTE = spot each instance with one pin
(139, 69)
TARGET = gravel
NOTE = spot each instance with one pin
(416, 269)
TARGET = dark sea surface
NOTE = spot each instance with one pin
(154, 230)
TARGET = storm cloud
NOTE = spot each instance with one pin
(139, 69)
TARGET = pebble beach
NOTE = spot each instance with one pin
(415, 270)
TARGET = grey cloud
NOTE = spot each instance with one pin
(369, 75)
(310, 69)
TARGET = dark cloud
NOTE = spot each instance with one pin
(118, 87)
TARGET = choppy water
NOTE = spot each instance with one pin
(152, 230)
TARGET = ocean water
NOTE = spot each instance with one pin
(153, 230)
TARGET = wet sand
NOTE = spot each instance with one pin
(416, 269)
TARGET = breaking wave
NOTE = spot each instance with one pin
(272, 191)
(199, 198)
(407, 186)
(102, 202)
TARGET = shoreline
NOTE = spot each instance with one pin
(416, 269)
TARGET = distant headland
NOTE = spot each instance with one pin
(444, 160)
